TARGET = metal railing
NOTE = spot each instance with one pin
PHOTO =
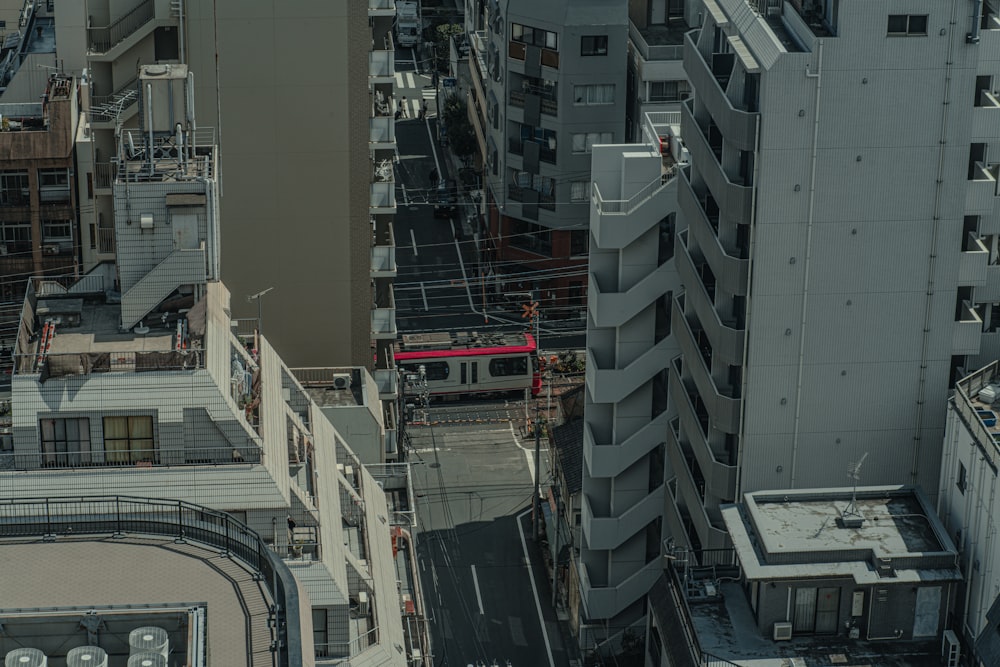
(626, 206)
(549, 104)
(133, 458)
(657, 51)
(100, 40)
(104, 174)
(106, 240)
(72, 363)
(352, 648)
(120, 515)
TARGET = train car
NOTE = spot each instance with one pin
(463, 363)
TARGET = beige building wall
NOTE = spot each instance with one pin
(292, 78)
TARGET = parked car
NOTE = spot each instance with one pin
(445, 200)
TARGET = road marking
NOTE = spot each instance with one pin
(529, 452)
(534, 588)
(423, 292)
(479, 596)
(413, 55)
(406, 201)
(413, 239)
(434, 152)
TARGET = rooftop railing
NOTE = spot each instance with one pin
(657, 51)
(626, 206)
(85, 363)
(132, 458)
(100, 40)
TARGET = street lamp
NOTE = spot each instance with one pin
(256, 297)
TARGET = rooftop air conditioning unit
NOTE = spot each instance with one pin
(87, 656)
(782, 631)
(25, 657)
(149, 639)
(144, 659)
(341, 380)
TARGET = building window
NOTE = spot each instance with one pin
(962, 481)
(907, 24)
(667, 91)
(543, 185)
(536, 36)
(529, 236)
(14, 188)
(53, 185)
(16, 236)
(579, 191)
(583, 142)
(504, 367)
(129, 440)
(320, 640)
(57, 230)
(594, 45)
(65, 442)
(594, 93)
(579, 242)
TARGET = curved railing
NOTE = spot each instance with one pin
(118, 515)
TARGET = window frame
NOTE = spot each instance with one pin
(14, 184)
(56, 449)
(595, 45)
(907, 30)
(579, 191)
(588, 96)
(511, 367)
(138, 447)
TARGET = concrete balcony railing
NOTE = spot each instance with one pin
(609, 532)
(691, 429)
(986, 117)
(972, 262)
(990, 291)
(612, 309)
(739, 127)
(735, 199)
(612, 385)
(618, 222)
(966, 337)
(691, 497)
(720, 478)
(732, 273)
(724, 411)
(981, 190)
(382, 133)
(726, 338)
(384, 317)
(381, 7)
(610, 459)
(381, 67)
(655, 51)
(383, 198)
(387, 380)
(609, 601)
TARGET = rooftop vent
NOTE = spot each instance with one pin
(143, 659)
(87, 656)
(149, 639)
(25, 657)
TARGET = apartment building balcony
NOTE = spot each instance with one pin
(383, 199)
(110, 41)
(972, 262)
(606, 601)
(731, 272)
(105, 240)
(691, 496)
(609, 383)
(723, 410)
(384, 253)
(609, 532)
(734, 198)
(387, 381)
(610, 459)
(658, 42)
(382, 133)
(384, 315)
(726, 336)
(981, 189)
(674, 523)
(535, 101)
(104, 176)
(532, 152)
(989, 292)
(612, 308)
(381, 8)
(382, 64)
(967, 334)
(617, 222)
(989, 38)
(720, 477)
(986, 116)
(738, 126)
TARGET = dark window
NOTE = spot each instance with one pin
(529, 236)
(594, 45)
(579, 241)
(907, 24)
(319, 633)
(528, 35)
(962, 482)
(129, 440)
(65, 442)
(510, 366)
(436, 370)
(14, 188)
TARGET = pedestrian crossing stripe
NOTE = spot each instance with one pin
(411, 80)
(428, 94)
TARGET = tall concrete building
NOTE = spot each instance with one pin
(295, 90)
(548, 84)
(835, 258)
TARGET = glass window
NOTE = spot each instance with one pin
(509, 366)
(129, 440)
(53, 178)
(594, 45)
(65, 442)
(14, 188)
(907, 24)
(595, 93)
(579, 241)
(57, 230)
(583, 142)
(579, 191)
(663, 91)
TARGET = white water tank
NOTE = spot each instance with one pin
(149, 639)
(87, 656)
(25, 657)
(145, 659)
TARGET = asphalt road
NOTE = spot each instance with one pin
(471, 486)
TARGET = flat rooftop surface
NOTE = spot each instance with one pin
(326, 397)
(98, 332)
(893, 525)
(665, 35)
(96, 572)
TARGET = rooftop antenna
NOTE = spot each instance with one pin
(851, 516)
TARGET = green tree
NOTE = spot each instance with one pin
(442, 35)
(461, 135)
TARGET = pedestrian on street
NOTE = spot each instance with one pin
(423, 110)
(433, 176)
(402, 107)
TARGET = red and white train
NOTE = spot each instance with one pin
(472, 363)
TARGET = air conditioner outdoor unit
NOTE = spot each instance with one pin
(363, 603)
(782, 631)
(50, 249)
(341, 380)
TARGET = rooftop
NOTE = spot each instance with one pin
(332, 387)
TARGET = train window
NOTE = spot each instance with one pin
(512, 366)
(436, 370)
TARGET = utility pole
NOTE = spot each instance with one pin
(537, 496)
(555, 552)
(260, 317)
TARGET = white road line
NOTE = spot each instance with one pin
(414, 240)
(416, 63)
(423, 293)
(529, 454)
(534, 589)
(479, 596)
(406, 201)
(413, 108)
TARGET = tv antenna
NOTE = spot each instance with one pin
(851, 512)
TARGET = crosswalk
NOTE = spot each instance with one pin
(407, 85)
